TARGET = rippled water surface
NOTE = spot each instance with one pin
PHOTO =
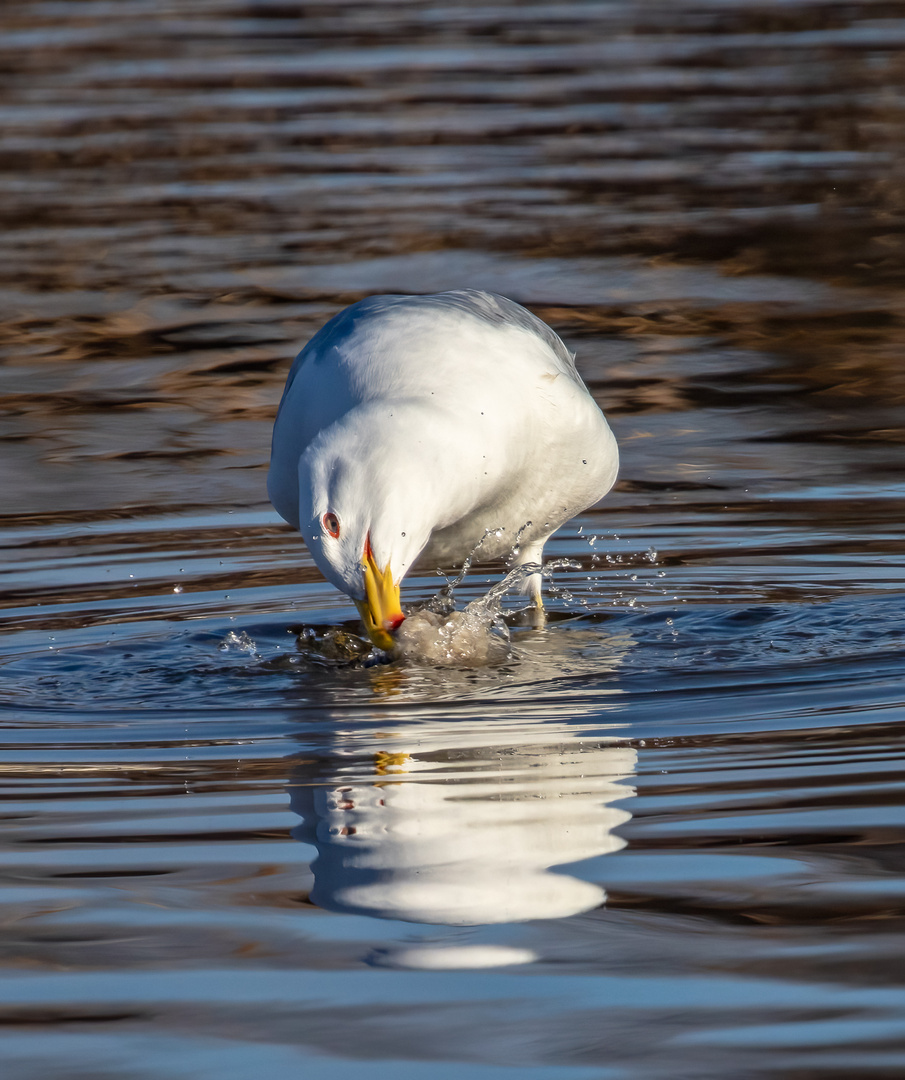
(664, 837)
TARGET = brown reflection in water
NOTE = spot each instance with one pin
(198, 433)
(161, 168)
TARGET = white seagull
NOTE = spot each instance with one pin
(429, 425)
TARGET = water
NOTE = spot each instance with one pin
(663, 837)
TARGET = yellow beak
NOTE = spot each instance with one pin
(381, 610)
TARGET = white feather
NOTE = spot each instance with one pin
(423, 422)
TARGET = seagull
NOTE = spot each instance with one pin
(436, 427)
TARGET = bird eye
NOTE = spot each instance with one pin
(331, 524)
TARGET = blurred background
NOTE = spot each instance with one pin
(189, 189)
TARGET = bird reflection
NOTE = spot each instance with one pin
(463, 830)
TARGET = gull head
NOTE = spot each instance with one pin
(362, 517)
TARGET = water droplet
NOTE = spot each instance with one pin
(240, 641)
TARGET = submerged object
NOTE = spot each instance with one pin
(433, 426)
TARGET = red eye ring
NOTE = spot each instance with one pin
(331, 524)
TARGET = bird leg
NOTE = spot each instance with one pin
(532, 554)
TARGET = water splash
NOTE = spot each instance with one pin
(437, 633)
(444, 596)
(460, 639)
(516, 544)
(514, 580)
(238, 642)
(477, 636)
(333, 649)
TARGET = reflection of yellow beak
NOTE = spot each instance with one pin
(381, 611)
